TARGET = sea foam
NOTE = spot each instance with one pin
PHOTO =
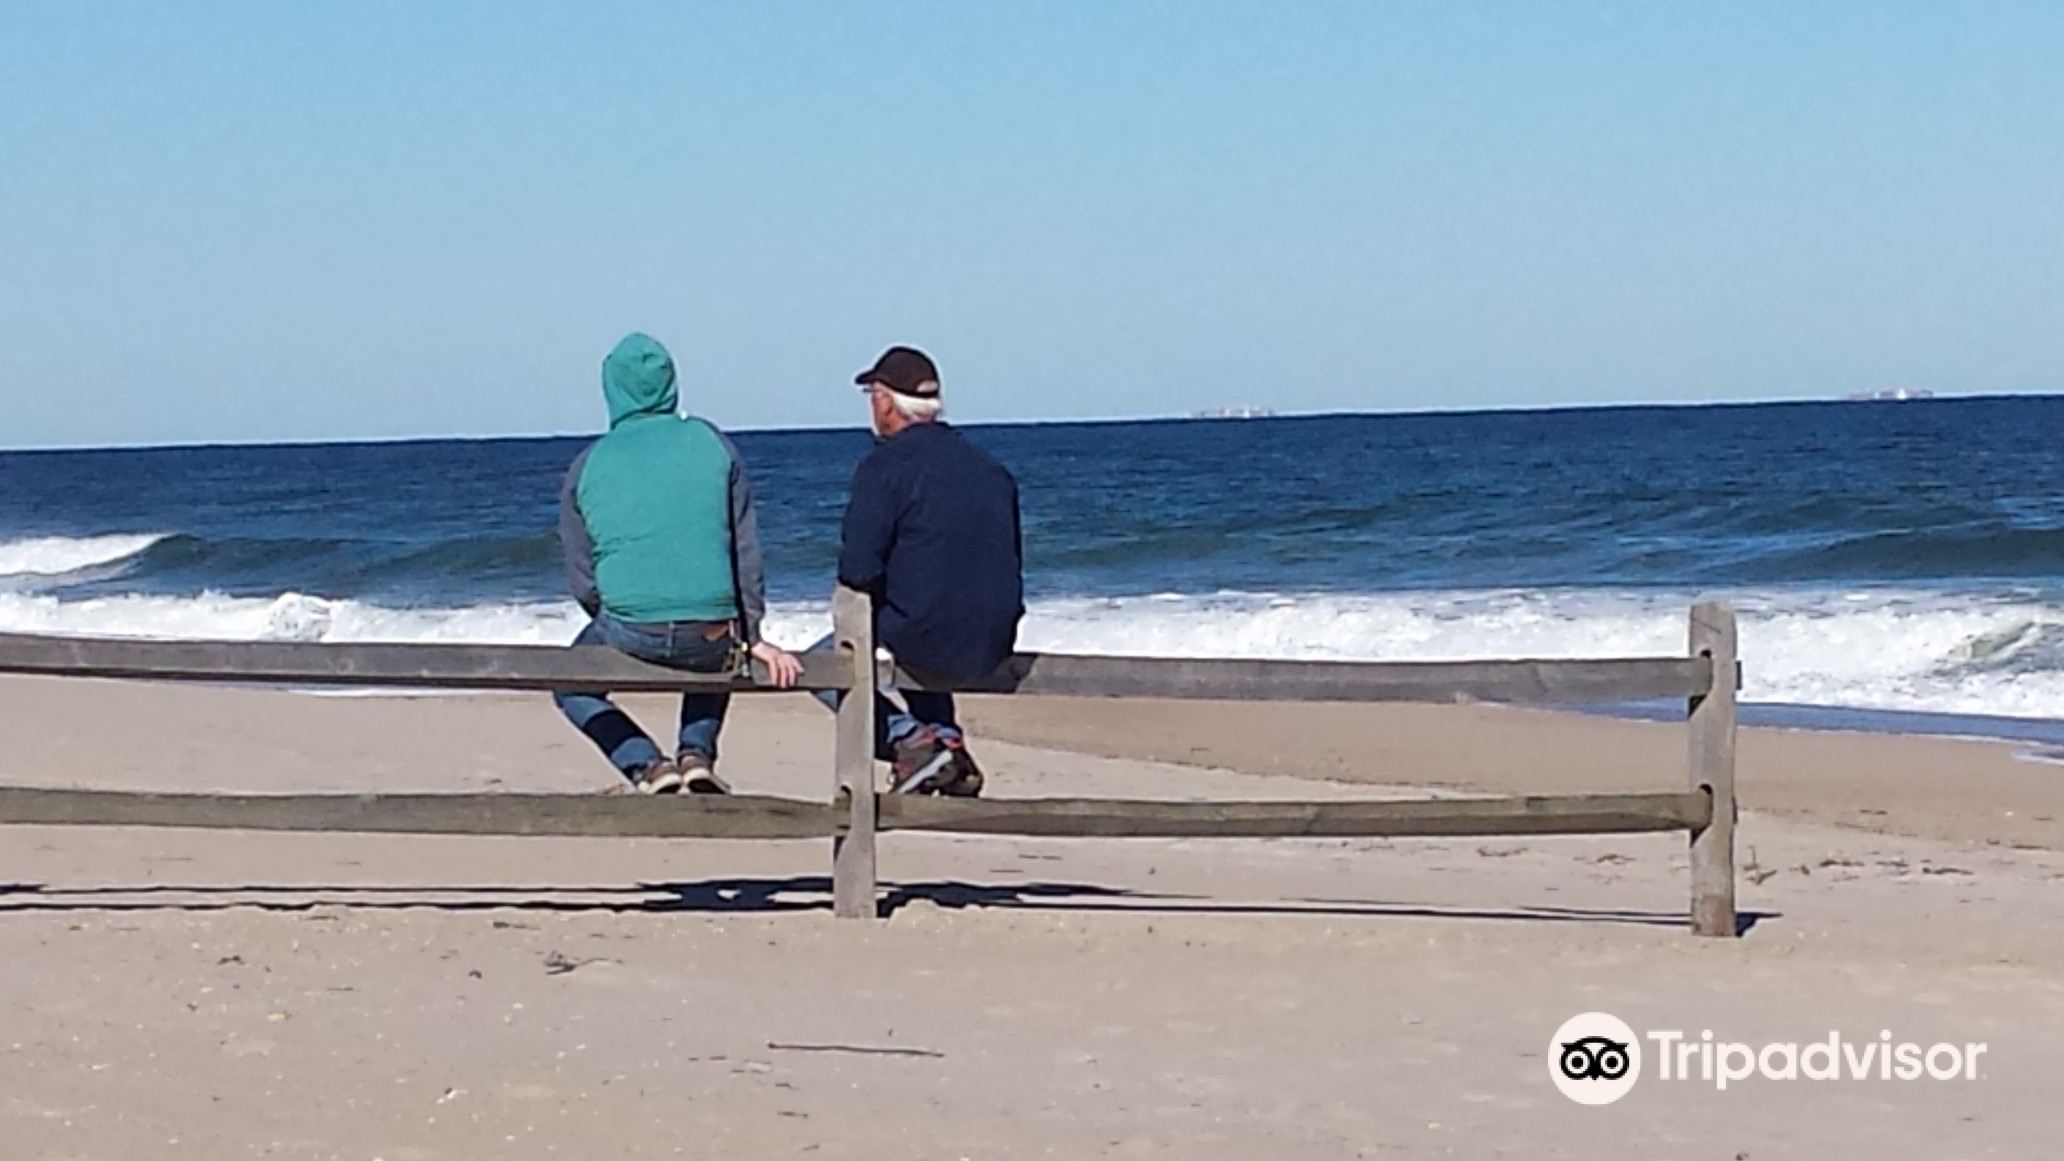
(54, 556)
(2000, 655)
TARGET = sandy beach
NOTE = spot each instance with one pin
(1971, 791)
(226, 995)
(390, 363)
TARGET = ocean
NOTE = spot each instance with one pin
(1885, 556)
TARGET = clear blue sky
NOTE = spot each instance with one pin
(311, 220)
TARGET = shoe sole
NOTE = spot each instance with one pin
(923, 776)
(708, 783)
(668, 783)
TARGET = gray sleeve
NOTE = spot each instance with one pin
(575, 543)
(748, 567)
(1018, 531)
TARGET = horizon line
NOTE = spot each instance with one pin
(1094, 421)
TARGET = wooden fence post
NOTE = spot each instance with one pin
(852, 852)
(1712, 770)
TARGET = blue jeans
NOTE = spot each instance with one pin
(678, 645)
(921, 708)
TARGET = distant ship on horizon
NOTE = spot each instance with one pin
(1234, 413)
(1890, 395)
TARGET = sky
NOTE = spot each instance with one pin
(266, 221)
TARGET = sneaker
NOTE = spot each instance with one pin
(920, 760)
(700, 775)
(660, 777)
(963, 778)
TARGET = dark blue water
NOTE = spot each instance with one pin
(1886, 555)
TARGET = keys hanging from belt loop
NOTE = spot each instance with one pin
(741, 655)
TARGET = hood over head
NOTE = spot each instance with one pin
(638, 379)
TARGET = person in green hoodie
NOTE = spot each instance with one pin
(663, 552)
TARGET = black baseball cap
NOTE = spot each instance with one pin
(904, 370)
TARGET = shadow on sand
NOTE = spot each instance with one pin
(770, 896)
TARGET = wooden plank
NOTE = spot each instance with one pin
(1515, 682)
(1107, 818)
(745, 817)
(439, 666)
(540, 667)
(1712, 773)
(853, 886)
(562, 815)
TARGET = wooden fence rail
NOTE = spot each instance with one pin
(530, 815)
(543, 667)
(754, 817)
(1706, 678)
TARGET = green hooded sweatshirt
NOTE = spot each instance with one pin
(654, 497)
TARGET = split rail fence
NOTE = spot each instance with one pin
(1706, 677)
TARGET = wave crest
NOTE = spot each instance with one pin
(2001, 655)
(51, 557)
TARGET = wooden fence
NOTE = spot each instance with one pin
(1706, 677)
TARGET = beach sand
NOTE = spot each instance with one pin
(1962, 789)
(226, 995)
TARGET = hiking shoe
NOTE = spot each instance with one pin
(699, 774)
(963, 779)
(920, 761)
(660, 777)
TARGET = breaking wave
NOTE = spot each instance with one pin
(51, 557)
(2000, 654)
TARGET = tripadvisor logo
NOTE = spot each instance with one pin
(1595, 1058)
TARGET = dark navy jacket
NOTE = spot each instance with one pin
(931, 532)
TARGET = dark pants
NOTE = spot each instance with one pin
(893, 723)
(678, 645)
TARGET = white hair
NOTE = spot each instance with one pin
(917, 408)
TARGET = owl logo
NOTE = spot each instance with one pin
(1594, 1058)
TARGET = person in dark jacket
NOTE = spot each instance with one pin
(932, 534)
(663, 552)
